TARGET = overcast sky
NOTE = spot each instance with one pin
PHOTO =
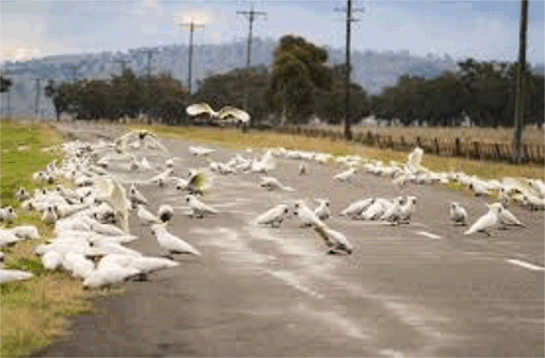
(485, 30)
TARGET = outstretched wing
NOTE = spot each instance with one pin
(118, 201)
(198, 181)
(152, 139)
(200, 108)
(234, 112)
(120, 143)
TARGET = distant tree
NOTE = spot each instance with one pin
(299, 69)
(329, 105)
(230, 89)
(59, 96)
(5, 84)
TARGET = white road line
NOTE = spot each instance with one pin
(527, 265)
(429, 235)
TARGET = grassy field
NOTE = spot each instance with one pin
(530, 135)
(236, 139)
(33, 311)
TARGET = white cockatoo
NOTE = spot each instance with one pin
(171, 243)
(407, 210)
(345, 176)
(303, 168)
(114, 194)
(274, 216)
(144, 164)
(373, 212)
(136, 197)
(458, 214)
(272, 183)
(487, 221)
(306, 215)
(14, 275)
(50, 215)
(142, 136)
(198, 208)
(507, 218)
(322, 211)
(227, 111)
(335, 241)
(22, 194)
(356, 208)
(146, 218)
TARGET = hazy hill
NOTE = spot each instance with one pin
(372, 70)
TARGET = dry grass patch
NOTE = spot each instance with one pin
(236, 139)
(530, 135)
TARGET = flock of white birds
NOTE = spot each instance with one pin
(90, 219)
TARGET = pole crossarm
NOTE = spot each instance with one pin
(192, 26)
(251, 16)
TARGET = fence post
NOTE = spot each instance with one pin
(526, 154)
(370, 138)
(437, 150)
(476, 149)
(458, 149)
(378, 140)
(498, 151)
(403, 145)
(418, 143)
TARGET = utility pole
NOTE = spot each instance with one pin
(150, 54)
(37, 106)
(74, 69)
(123, 64)
(192, 27)
(251, 16)
(521, 82)
(349, 20)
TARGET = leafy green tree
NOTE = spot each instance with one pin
(5, 84)
(59, 96)
(230, 89)
(299, 69)
(330, 105)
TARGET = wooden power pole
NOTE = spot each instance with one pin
(37, 105)
(192, 26)
(349, 20)
(521, 82)
(251, 15)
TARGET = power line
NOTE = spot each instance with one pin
(192, 27)
(349, 20)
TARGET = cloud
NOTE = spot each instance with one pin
(19, 53)
(198, 17)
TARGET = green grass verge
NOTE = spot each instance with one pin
(32, 312)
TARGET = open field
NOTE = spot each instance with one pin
(236, 139)
(530, 135)
(33, 311)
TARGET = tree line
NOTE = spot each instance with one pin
(301, 84)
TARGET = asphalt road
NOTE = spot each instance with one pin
(422, 289)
